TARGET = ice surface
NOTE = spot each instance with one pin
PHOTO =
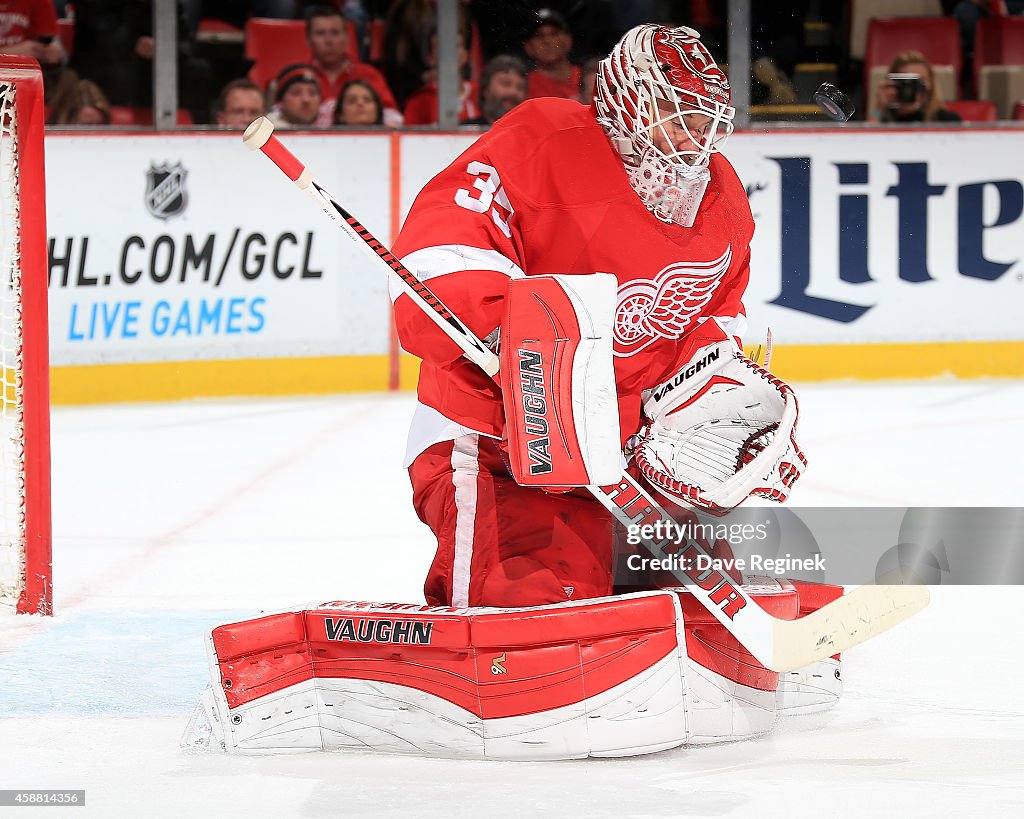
(172, 518)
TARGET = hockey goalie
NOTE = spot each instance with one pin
(602, 252)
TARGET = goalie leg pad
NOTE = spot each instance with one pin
(818, 686)
(732, 695)
(600, 677)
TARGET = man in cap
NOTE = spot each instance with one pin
(548, 45)
(296, 97)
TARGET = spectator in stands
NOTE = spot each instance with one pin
(296, 97)
(239, 103)
(236, 12)
(358, 104)
(327, 33)
(88, 105)
(913, 99)
(114, 47)
(588, 72)
(594, 24)
(355, 12)
(502, 87)
(28, 28)
(548, 46)
(421, 107)
(967, 14)
(407, 63)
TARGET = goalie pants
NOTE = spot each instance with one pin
(501, 544)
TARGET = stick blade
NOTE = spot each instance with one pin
(855, 617)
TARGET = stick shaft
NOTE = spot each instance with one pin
(260, 136)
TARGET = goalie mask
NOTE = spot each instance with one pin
(664, 104)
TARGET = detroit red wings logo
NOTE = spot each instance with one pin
(666, 306)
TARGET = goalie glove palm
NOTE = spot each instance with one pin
(720, 430)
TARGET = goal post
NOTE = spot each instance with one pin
(25, 533)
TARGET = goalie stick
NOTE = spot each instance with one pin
(781, 645)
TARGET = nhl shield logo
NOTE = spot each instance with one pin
(165, 190)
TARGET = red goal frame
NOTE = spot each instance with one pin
(36, 594)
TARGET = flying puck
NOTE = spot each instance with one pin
(834, 102)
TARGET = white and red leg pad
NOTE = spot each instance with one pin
(602, 677)
(732, 696)
(819, 686)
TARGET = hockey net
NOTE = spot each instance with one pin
(25, 577)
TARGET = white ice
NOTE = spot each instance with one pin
(172, 518)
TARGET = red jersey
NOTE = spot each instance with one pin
(541, 85)
(329, 91)
(22, 20)
(421, 107)
(543, 191)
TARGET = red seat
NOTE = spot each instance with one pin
(213, 25)
(273, 44)
(66, 30)
(937, 38)
(861, 12)
(476, 54)
(974, 110)
(999, 61)
(376, 29)
(127, 115)
(1018, 110)
(999, 41)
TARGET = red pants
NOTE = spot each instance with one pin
(500, 544)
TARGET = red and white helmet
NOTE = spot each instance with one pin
(654, 81)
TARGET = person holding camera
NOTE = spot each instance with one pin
(909, 94)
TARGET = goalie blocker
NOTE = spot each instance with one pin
(617, 676)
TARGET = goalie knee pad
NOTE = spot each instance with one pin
(603, 677)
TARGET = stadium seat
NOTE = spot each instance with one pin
(974, 110)
(1018, 111)
(999, 61)
(127, 115)
(863, 11)
(938, 38)
(476, 55)
(273, 44)
(376, 30)
(213, 30)
(213, 25)
(66, 30)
